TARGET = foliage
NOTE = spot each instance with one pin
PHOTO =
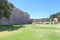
(5, 8)
(57, 15)
(35, 20)
(45, 19)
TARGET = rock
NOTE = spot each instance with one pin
(17, 17)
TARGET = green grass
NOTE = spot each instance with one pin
(35, 32)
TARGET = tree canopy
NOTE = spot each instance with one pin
(57, 15)
(5, 8)
(35, 20)
(45, 20)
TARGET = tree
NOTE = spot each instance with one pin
(35, 20)
(52, 17)
(45, 20)
(5, 8)
(57, 15)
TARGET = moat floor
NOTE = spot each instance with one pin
(33, 32)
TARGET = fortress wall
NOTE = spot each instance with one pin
(17, 17)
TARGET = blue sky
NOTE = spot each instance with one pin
(38, 8)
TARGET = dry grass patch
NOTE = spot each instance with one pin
(7, 33)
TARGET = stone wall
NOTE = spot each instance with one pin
(17, 17)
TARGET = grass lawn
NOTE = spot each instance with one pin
(33, 32)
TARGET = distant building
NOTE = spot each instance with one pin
(55, 20)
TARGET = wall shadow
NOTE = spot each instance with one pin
(10, 27)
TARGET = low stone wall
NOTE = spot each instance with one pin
(46, 23)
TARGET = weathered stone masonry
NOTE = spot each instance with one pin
(17, 17)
